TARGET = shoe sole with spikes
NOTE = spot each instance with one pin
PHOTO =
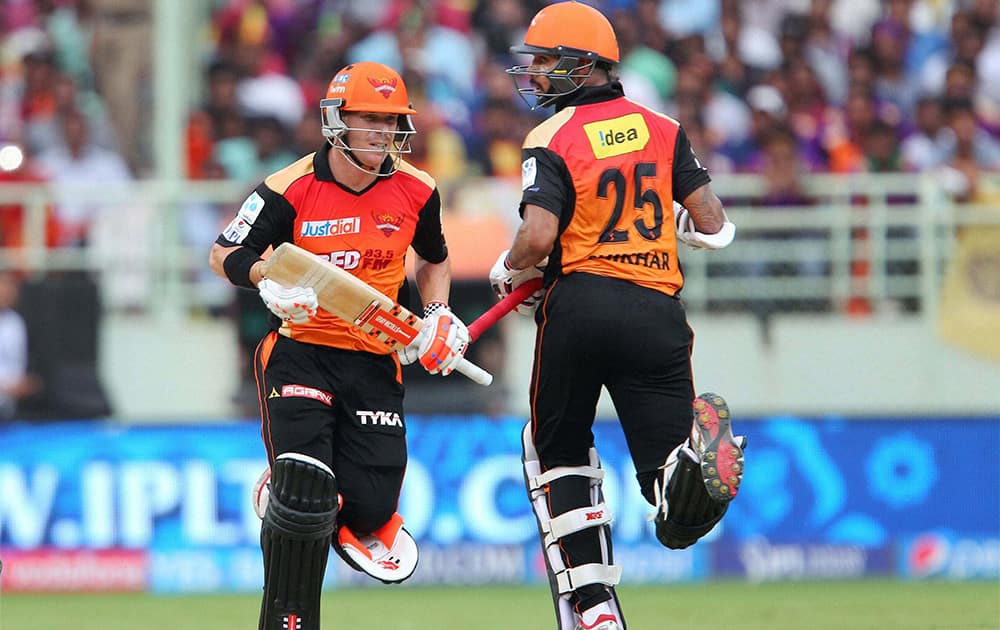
(721, 454)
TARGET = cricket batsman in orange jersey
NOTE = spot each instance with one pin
(609, 187)
(331, 398)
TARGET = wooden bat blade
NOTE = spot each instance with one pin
(343, 294)
(352, 299)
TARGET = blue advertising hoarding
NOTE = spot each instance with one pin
(822, 498)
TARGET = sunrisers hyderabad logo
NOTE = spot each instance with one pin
(385, 87)
(387, 221)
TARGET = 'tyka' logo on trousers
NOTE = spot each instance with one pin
(380, 418)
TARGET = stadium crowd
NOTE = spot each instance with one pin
(834, 85)
(775, 87)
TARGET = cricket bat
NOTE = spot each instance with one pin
(501, 308)
(348, 297)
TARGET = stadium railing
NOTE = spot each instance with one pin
(873, 242)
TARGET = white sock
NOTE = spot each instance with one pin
(590, 615)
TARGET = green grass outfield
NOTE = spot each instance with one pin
(886, 605)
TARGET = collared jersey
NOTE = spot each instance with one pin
(610, 169)
(365, 232)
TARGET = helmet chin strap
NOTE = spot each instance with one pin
(346, 150)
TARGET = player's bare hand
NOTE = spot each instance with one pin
(505, 279)
(291, 304)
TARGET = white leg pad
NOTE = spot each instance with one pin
(564, 580)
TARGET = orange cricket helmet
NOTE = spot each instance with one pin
(574, 32)
(370, 87)
(367, 87)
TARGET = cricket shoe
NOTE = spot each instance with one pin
(602, 617)
(603, 622)
(719, 452)
(388, 554)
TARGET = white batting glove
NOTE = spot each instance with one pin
(292, 304)
(411, 352)
(688, 234)
(441, 343)
(504, 279)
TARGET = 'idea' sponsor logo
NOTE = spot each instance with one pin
(617, 136)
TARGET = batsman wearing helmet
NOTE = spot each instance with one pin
(609, 187)
(331, 397)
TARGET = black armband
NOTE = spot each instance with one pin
(237, 266)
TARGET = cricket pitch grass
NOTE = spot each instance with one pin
(885, 605)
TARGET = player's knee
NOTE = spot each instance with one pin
(299, 519)
(686, 511)
(303, 497)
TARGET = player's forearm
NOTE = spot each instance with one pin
(433, 280)
(535, 237)
(217, 260)
(706, 209)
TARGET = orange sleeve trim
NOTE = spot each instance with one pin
(263, 356)
(416, 173)
(280, 181)
(542, 135)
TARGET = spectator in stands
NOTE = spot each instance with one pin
(646, 73)
(15, 381)
(500, 23)
(503, 132)
(413, 43)
(960, 81)
(973, 150)
(860, 69)
(265, 150)
(842, 138)
(782, 170)
(221, 104)
(78, 163)
(768, 113)
(826, 52)
(880, 144)
(890, 40)
(122, 33)
(219, 118)
(725, 117)
(38, 97)
(926, 147)
(501, 121)
(809, 116)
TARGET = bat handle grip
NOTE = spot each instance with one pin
(474, 372)
(504, 306)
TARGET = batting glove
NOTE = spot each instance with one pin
(294, 304)
(504, 279)
(441, 343)
(688, 234)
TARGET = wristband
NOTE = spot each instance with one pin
(433, 307)
(237, 266)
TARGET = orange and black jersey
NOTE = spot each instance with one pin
(610, 169)
(365, 232)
